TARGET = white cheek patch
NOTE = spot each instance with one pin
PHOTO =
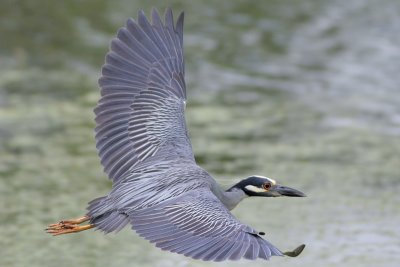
(255, 189)
(269, 179)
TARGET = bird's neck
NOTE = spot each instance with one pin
(230, 198)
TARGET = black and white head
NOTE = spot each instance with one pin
(265, 187)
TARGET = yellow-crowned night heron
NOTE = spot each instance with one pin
(145, 150)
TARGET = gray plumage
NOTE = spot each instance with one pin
(144, 147)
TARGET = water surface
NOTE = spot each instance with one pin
(306, 92)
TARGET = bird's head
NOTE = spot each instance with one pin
(265, 187)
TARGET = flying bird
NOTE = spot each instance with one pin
(144, 147)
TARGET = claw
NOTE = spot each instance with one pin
(69, 226)
(67, 229)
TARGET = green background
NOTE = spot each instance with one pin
(306, 92)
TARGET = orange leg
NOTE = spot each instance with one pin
(71, 221)
(69, 226)
(68, 229)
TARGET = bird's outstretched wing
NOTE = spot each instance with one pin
(199, 226)
(141, 111)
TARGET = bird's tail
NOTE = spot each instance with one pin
(105, 217)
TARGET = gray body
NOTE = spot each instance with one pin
(144, 147)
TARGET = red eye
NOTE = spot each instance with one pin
(266, 186)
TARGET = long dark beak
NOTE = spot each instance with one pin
(289, 192)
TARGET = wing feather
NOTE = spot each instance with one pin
(198, 225)
(141, 111)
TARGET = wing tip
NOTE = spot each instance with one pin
(155, 17)
(179, 26)
(296, 252)
(169, 18)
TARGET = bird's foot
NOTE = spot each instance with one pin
(69, 226)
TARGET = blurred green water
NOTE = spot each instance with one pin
(306, 92)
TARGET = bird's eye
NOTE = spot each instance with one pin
(266, 186)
